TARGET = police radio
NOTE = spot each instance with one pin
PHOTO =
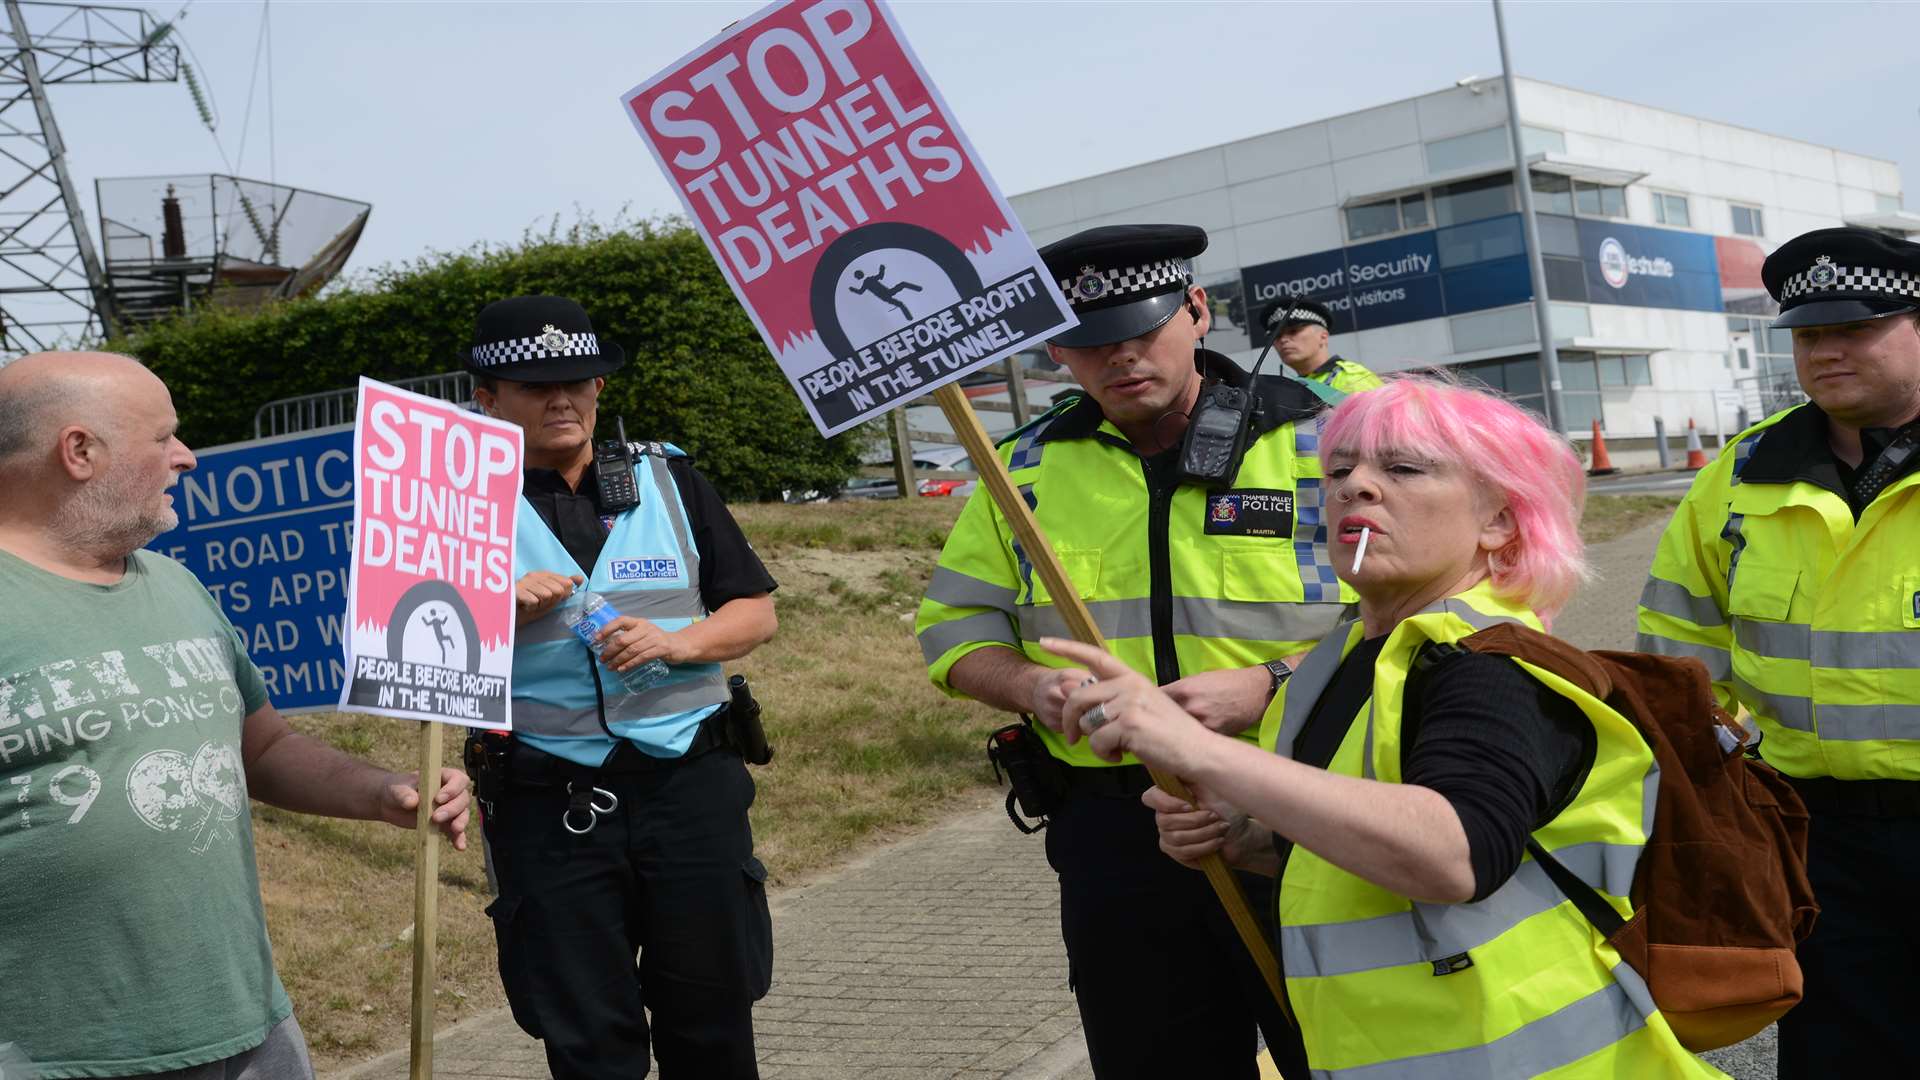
(617, 488)
(1216, 436)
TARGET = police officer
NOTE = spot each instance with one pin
(1791, 571)
(1206, 590)
(1299, 330)
(618, 823)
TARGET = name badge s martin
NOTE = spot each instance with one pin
(1250, 512)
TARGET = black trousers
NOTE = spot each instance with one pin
(1861, 960)
(1164, 985)
(669, 875)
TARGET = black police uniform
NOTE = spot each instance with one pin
(667, 873)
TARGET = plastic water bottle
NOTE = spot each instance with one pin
(588, 618)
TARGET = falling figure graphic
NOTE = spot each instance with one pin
(875, 286)
(440, 634)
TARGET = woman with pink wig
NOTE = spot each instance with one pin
(1395, 798)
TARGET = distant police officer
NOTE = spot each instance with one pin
(1199, 582)
(616, 822)
(1299, 330)
(1792, 569)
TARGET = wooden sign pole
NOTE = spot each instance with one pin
(1066, 600)
(426, 908)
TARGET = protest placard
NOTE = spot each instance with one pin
(851, 216)
(430, 610)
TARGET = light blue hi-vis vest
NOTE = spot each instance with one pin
(648, 568)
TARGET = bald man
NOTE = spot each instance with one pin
(133, 731)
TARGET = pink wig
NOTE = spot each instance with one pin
(1515, 457)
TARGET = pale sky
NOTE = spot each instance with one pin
(468, 122)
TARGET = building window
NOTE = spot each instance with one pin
(1670, 210)
(1387, 216)
(1566, 278)
(1473, 148)
(1552, 194)
(1747, 221)
(1639, 370)
(1599, 200)
(1472, 200)
(1539, 140)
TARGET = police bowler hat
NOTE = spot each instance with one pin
(539, 339)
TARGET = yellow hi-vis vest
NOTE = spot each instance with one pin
(1345, 376)
(1194, 574)
(1517, 984)
(1808, 618)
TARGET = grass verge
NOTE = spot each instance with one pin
(1609, 516)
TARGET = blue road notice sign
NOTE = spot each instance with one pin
(267, 527)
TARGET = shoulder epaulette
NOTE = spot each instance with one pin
(1284, 399)
(1060, 407)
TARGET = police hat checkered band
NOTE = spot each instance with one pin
(1091, 285)
(1283, 316)
(539, 347)
(1824, 277)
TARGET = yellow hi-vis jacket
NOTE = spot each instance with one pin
(1345, 376)
(1180, 580)
(1517, 984)
(1805, 616)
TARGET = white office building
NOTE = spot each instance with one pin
(1403, 219)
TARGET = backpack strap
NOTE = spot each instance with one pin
(1566, 661)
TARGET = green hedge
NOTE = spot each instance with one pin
(696, 375)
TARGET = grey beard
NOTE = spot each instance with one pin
(97, 520)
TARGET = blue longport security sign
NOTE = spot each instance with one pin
(267, 527)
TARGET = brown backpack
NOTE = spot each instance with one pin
(1721, 895)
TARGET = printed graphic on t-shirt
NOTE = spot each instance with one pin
(75, 730)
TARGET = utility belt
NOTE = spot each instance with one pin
(1039, 783)
(1866, 798)
(499, 763)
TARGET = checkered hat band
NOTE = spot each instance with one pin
(1123, 281)
(1299, 315)
(512, 351)
(1903, 284)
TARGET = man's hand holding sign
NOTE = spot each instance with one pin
(880, 263)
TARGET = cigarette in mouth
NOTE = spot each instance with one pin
(1360, 550)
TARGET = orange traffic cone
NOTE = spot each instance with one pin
(1602, 464)
(1696, 456)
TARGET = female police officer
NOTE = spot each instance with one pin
(620, 825)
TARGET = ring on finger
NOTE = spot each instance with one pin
(1093, 718)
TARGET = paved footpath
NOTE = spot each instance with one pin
(939, 957)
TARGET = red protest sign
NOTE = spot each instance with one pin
(845, 206)
(430, 611)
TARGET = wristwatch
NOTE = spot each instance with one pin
(1278, 671)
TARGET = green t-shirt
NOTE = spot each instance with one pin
(134, 941)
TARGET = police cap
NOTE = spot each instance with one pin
(539, 339)
(1284, 313)
(1123, 280)
(1831, 276)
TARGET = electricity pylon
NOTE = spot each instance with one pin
(53, 287)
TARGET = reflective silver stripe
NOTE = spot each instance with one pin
(1718, 661)
(540, 718)
(955, 589)
(1193, 616)
(937, 640)
(665, 700)
(1254, 620)
(1467, 613)
(1591, 1024)
(1780, 641)
(641, 603)
(1892, 650)
(1307, 684)
(1430, 932)
(1857, 723)
(1788, 710)
(689, 551)
(1672, 599)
